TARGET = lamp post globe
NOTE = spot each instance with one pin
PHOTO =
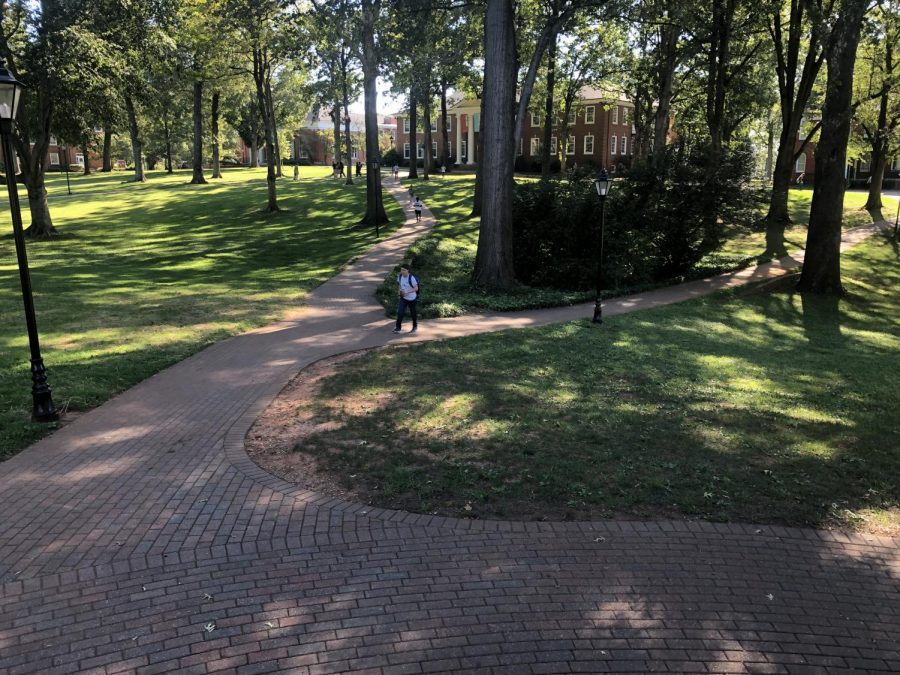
(43, 409)
(601, 184)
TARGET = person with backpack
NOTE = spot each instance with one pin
(408, 287)
(417, 207)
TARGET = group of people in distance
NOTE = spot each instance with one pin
(337, 169)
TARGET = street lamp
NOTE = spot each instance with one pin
(10, 94)
(601, 183)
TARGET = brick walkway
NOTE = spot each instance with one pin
(141, 538)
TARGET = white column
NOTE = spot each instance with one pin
(470, 143)
(458, 138)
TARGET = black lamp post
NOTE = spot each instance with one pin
(10, 94)
(601, 183)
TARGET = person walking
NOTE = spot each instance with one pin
(341, 169)
(296, 171)
(396, 171)
(408, 289)
(358, 168)
(417, 207)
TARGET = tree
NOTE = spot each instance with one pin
(375, 213)
(822, 262)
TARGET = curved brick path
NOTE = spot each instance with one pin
(141, 538)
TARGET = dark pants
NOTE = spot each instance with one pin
(418, 215)
(401, 312)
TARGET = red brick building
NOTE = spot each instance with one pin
(600, 133)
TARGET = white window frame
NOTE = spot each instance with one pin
(79, 159)
(420, 150)
(625, 115)
(434, 125)
(624, 145)
(573, 116)
(464, 150)
(615, 114)
(54, 158)
(585, 144)
(53, 140)
(535, 119)
(590, 114)
(434, 149)
(800, 164)
(534, 148)
(570, 144)
(553, 146)
(406, 151)
(405, 125)
(449, 124)
(304, 153)
(613, 144)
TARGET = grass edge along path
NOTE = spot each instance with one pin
(144, 275)
(443, 258)
(753, 406)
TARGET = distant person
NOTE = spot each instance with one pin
(341, 169)
(417, 207)
(334, 169)
(801, 179)
(443, 170)
(396, 172)
(358, 168)
(408, 290)
(296, 171)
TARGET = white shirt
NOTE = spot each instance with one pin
(417, 205)
(406, 287)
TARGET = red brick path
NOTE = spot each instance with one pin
(141, 538)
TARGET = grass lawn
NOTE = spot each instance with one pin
(142, 276)
(757, 405)
(445, 258)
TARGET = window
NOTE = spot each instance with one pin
(572, 116)
(553, 145)
(53, 140)
(420, 151)
(465, 149)
(434, 149)
(589, 115)
(612, 144)
(406, 125)
(304, 153)
(535, 147)
(355, 154)
(624, 145)
(589, 144)
(79, 159)
(896, 164)
(570, 145)
(54, 159)
(535, 120)
(625, 114)
(434, 125)
(615, 115)
(800, 167)
(406, 151)
(478, 121)
(449, 124)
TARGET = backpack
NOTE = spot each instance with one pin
(412, 278)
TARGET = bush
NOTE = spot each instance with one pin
(659, 223)
(391, 157)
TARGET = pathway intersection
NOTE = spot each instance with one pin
(141, 538)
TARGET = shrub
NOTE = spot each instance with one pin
(391, 157)
(659, 222)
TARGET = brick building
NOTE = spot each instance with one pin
(600, 133)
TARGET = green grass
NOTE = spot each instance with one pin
(753, 406)
(444, 259)
(142, 276)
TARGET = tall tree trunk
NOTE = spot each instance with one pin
(336, 119)
(445, 135)
(254, 149)
(413, 137)
(770, 148)
(107, 151)
(879, 139)
(668, 61)
(32, 160)
(346, 96)
(137, 147)
(822, 263)
(197, 159)
(214, 127)
(478, 195)
(260, 68)
(794, 92)
(85, 149)
(494, 258)
(270, 106)
(375, 213)
(426, 123)
(41, 222)
(548, 111)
